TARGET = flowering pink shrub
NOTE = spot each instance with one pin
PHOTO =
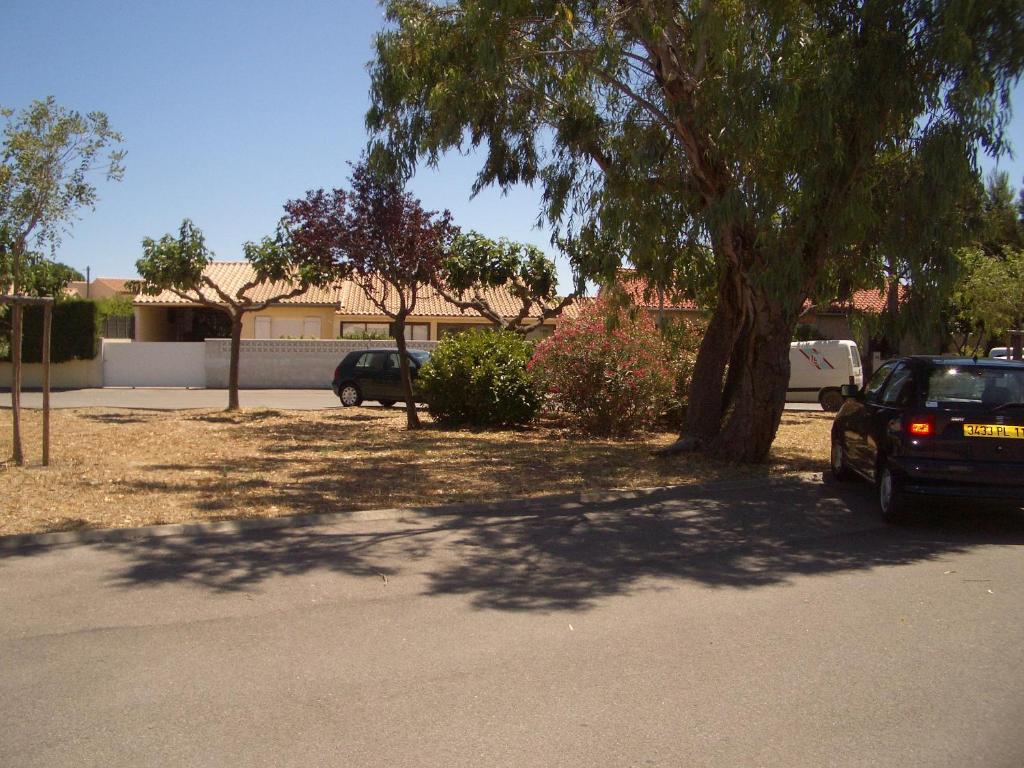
(606, 370)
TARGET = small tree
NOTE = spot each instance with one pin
(379, 236)
(48, 158)
(476, 264)
(988, 299)
(178, 265)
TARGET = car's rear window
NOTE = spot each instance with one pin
(979, 385)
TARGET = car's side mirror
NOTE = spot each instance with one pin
(850, 391)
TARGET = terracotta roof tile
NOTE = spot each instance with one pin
(113, 283)
(429, 303)
(868, 301)
(642, 296)
(348, 298)
(231, 275)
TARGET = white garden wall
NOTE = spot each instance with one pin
(154, 364)
(74, 374)
(286, 363)
(264, 364)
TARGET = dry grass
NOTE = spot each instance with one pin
(119, 468)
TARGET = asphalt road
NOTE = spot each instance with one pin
(767, 626)
(172, 399)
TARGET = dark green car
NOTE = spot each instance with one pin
(374, 374)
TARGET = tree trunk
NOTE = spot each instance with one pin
(236, 348)
(738, 390)
(756, 387)
(412, 418)
(704, 409)
(892, 306)
(17, 455)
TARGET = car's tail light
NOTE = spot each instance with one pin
(921, 426)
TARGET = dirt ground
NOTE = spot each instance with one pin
(113, 468)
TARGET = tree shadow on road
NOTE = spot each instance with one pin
(574, 556)
(740, 542)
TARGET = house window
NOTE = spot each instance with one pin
(413, 331)
(311, 328)
(417, 331)
(262, 328)
(365, 331)
(450, 328)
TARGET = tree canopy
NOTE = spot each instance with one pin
(745, 148)
(987, 299)
(178, 264)
(379, 236)
(40, 276)
(49, 158)
(475, 263)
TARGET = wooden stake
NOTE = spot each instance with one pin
(18, 455)
(47, 322)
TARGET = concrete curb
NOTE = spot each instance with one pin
(451, 514)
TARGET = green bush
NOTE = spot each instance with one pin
(73, 335)
(479, 378)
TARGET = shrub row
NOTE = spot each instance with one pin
(610, 371)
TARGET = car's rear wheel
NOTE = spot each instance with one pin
(350, 395)
(386, 403)
(838, 461)
(831, 400)
(892, 501)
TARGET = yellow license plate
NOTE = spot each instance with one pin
(993, 430)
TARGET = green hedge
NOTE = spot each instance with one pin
(479, 378)
(73, 335)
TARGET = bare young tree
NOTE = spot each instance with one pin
(179, 265)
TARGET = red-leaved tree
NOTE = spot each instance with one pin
(379, 236)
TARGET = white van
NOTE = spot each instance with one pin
(817, 369)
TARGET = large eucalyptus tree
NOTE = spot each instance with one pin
(744, 149)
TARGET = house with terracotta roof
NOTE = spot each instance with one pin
(830, 321)
(826, 321)
(99, 288)
(341, 311)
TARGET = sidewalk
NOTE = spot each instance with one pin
(174, 399)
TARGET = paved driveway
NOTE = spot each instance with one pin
(171, 399)
(773, 626)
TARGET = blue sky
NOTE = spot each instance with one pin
(228, 109)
